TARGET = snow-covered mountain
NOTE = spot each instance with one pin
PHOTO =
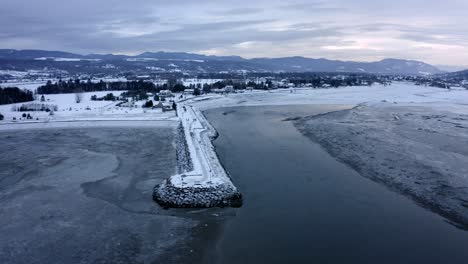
(202, 63)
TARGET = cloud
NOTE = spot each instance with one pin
(337, 29)
(239, 11)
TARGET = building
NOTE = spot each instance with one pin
(189, 91)
(229, 89)
(218, 91)
(165, 94)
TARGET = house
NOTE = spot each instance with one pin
(165, 94)
(189, 91)
(229, 89)
(218, 91)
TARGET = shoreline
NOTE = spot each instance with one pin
(380, 144)
(88, 122)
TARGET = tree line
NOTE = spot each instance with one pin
(78, 86)
(11, 95)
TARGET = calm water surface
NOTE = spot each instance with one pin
(302, 206)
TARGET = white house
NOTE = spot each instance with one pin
(165, 94)
(229, 89)
(189, 91)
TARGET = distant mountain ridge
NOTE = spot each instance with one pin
(455, 75)
(194, 61)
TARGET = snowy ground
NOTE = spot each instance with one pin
(86, 110)
(395, 93)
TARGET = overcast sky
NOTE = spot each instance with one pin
(434, 31)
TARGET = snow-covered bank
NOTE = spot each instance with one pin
(419, 151)
(206, 184)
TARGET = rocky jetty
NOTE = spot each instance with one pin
(201, 181)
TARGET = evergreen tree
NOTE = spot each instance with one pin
(148, 104)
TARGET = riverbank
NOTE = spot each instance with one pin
(417, 150)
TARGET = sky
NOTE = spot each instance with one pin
(433, 31)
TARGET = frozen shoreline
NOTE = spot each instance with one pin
(417, 150)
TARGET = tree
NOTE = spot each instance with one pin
(149, 104)
(178, 88)
(78, 97)
(196, 92)
(10, 95)
(109, 97)
(206, 88)
(156, 97)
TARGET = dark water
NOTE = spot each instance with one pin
(84, 196)
(302, 206)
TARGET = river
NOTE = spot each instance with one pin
(303, 206)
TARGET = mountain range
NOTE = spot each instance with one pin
(191, 62)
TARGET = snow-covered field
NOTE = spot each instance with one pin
(86, 110)
(395, 93)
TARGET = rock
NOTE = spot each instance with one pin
(169, 196)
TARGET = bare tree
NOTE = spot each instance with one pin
(78, 97)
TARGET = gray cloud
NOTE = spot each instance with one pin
(239, 11)
(338, 29)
